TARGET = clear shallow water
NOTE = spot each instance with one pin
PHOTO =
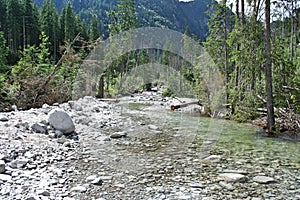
(185, 131)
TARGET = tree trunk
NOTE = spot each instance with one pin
(226, 50)
(269, 89)
(100, 93)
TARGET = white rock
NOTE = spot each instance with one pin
(79, 189)
(5, 177)
(263, 179)
(213, 159)
(61, 121)
(232, 177)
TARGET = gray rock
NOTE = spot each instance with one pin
(213, 159)
(61, 121)
(97, 182)
(43, 193)
(3, 119)
(263, 179)
(58, 133)
(2, 166)
(79, 188)
(227, 186)
(17, 164)
(232, 177)
(153, 127)
(118, 135)
(5, 177)
(38, 128)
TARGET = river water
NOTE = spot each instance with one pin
(164, 157)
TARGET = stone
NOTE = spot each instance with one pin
(213, 159)
(227, 186)
(38, 128)
(232, 177)
(153, 127)
(3, 119)
(97, 182)
(79, 188)
(197, 185)
(5, 177)
(263, 179)
(61, 121)
(43, 193)
(17, 164)
(2, 166)
(118, 135)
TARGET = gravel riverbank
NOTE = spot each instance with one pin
(131, 150)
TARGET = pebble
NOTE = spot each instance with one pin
(233, 177)
(5, 177)
(213, 159)
(79, 188)
(263, 179)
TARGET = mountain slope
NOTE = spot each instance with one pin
(171, 14)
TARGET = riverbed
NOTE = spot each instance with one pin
(139, 149)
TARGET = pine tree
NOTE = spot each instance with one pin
(48, 20)
(94, 29)
(70, 23)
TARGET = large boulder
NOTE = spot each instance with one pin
(60, 120)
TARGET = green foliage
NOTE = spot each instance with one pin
(167, 92)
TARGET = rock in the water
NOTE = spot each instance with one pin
(2, 166)
(263, 179)
(61, 121)
(232, 177)
(5, 177)
(39, 128)
(213, 159)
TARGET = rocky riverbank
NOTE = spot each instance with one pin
(131, 149)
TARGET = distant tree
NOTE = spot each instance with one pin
(14, 24)
(94, 29)
(30, 23)
(70, 23)
(3, 55)
(48, 20)
(123, 18)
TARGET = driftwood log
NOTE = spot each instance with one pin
(174, 107)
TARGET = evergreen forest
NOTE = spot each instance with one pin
(255, 44)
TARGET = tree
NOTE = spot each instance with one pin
(268, 65)
(3, 55)
(48, 20)
(30, 23)
(123, 18)
(94, 29)
(69, 23)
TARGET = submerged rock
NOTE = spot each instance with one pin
(61, 121)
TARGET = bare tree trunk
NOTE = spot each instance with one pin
(226, 50)
(269, 88)
(100, 93)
